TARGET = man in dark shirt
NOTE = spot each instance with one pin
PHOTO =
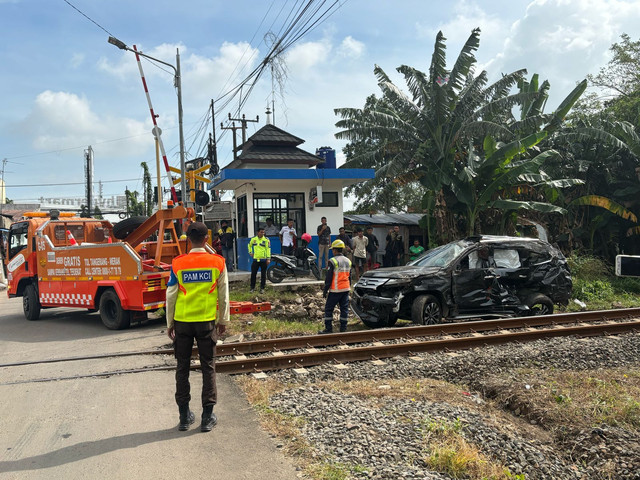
(395, 248)
(372, 248)
(348, 246)
(324, 240)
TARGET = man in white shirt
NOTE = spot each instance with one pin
(270, 230)
(287, 236)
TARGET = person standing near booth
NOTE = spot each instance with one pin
(287, 237)
(227, 236)
(324, 240)
(260, 251)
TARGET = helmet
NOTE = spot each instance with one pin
(306, 237)
(337, 244)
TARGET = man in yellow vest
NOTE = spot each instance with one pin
(197, 308)
(337, 286)
(260, 251)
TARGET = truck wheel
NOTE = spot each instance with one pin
(31, 303)
(540, 304)
(112, 314)
(275, 274)
(426, 310)
(127, 226)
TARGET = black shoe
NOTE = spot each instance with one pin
(322, 332)
(343, 329)
(186, 417)
(209, 419)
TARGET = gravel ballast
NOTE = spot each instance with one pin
(385, 436)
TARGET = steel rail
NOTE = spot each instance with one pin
(363, 336)
(392, 350)
(394, 333)
(375, 352)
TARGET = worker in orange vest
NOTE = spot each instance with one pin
(337, 285)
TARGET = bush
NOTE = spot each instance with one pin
(587, 267)
(591, 290)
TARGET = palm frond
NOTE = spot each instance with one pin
(464, 62)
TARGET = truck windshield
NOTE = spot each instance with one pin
(17, 238)
(441, 256)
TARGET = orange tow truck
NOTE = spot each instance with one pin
(61, 260)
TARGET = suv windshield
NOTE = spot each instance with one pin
(441, 256)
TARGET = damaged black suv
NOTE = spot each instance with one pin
(483, 276)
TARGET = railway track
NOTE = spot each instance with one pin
(300, 352)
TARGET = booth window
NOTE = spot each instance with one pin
(242, 217)
(329, 199)
(279, 206)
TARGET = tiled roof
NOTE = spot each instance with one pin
(278, 154)
(270, 135)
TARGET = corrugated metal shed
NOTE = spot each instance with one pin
(386, 219)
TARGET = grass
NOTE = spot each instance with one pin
(595, 284)
(566, 401)
(267, 326)
(447, 451)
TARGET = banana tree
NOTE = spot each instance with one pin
(419, 135)
(504, 172)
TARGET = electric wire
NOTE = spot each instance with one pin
(88, 18)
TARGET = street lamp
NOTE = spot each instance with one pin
(178, 84)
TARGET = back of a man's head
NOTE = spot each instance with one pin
(197, 233)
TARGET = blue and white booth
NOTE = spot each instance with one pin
(273, 178)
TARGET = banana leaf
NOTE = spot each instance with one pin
(505, 204)
(607, 204)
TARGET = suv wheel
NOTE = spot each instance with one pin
(540, 304)
(426, 310)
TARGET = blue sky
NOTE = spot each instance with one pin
(65, 88)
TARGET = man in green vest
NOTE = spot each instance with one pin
(197, 308)
(260, 251)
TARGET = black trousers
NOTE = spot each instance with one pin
(262, 265)
(333, 299)
(205, 336)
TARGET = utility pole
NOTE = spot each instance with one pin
(243, 122)
(233, 128)
(3, 198)
(88, 170)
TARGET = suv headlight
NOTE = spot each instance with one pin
(398, 282)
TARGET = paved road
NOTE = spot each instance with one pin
(120, 427)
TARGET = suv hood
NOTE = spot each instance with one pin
(406, 272)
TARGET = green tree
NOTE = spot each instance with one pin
(620, 81)
(134, 207)
(147, 196)
(455, 137)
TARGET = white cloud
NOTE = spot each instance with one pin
(127, 65)
(305, 56)
(206, 77)
(77, 59)
(350, 47)
(59, 120)
(565, 40)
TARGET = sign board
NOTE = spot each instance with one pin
(219, 211)
(628, 266)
